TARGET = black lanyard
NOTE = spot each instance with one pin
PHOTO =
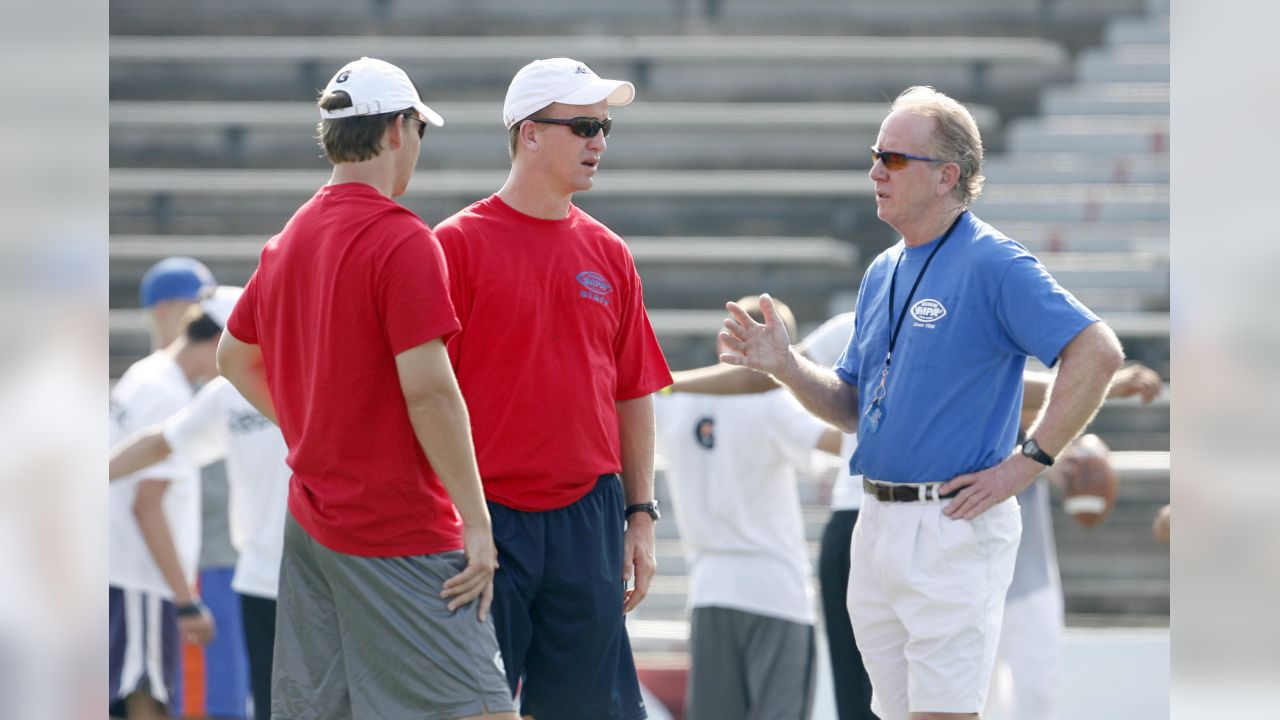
(893, 282)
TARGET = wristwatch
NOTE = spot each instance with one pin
(650, 507)
(191, 609)
(1031, 449)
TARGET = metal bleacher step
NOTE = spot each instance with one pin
(1107, 99)
(1143, 237)
(631, 202)
(646, 135)
(1076, 202)
(1138, 30)
(1126, 63)
(1091, 136)
(670, 67)
(1077, 167)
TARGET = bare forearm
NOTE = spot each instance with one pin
(822, 392)
(443, 427)
(252, 384)
(149, 514)
(140, 451)
(722, 380)
(244, 366)
(636, 432)
(1081, 385)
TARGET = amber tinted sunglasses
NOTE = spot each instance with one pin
(896, 160)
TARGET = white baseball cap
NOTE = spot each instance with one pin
(562, 80)
(219, 305)
(376, 87)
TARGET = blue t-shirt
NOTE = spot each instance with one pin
(954, 393)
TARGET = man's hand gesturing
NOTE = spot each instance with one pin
(760, 347)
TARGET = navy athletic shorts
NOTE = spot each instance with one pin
(558, 608)
(143, 631)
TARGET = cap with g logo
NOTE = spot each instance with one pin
(376, 87)
(561, 80)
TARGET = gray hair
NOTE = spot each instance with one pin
(956, 138)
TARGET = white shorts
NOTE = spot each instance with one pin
(926, 597)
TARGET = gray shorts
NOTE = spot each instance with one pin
(370, 637)
(748, 666)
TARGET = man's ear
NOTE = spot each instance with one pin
(949, 178)
(393, 136)
(529, 135)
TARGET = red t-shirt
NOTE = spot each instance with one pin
(554, 332)
(352, 280)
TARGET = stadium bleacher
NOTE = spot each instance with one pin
(741, 168)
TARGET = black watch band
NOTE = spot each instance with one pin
(191, 609)
(1031, 449)
(650, 507)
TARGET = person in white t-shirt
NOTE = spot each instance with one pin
(824, 345)
(731, 470)
(154, 524)
(219, 424)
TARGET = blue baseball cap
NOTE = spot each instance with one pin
(176, 278)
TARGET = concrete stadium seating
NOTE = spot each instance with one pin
(1125, 64)
(664, 68)
(1070, 21)
(1076, 168)
(1091, 136)
(1052, 236)
(1108, 99)
(647, 135)
(1076, 202)
(631, 202)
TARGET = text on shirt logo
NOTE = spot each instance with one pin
(704, 431)
(119, 413)
(596, 287)
(927, 312)
(242, 423)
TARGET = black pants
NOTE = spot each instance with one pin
(259, 616)
(853, 687)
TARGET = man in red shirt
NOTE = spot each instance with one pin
(557, 361)
(340, 337)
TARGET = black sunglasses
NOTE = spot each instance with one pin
(422, 124)
(581, 126)
(897, 160)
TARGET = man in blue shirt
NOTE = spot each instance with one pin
(932, 382)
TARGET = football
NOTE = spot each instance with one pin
(1087, 479)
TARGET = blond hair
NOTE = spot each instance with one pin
(956, 138)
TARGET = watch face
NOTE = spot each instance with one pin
(1030, 448)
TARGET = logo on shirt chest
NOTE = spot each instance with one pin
(927, 313)
(704, 432)
(594, 287)
(119, 413)
(243, 423)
